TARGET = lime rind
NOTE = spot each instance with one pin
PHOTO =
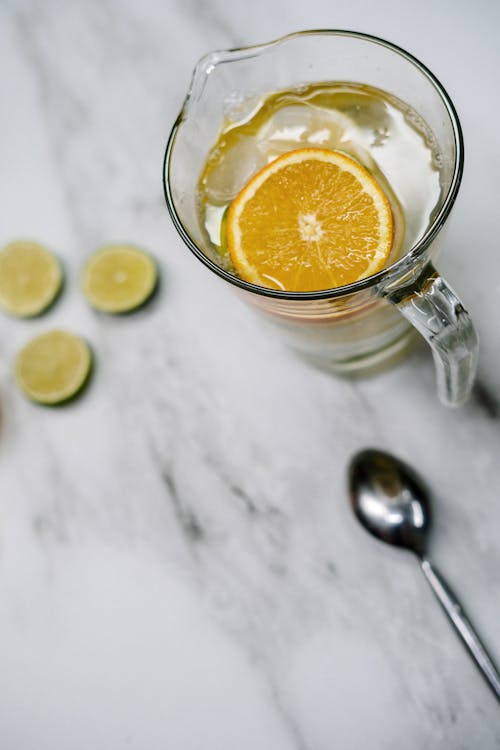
(32, 363)
(223, 248)
(108, 300)
(16, 273)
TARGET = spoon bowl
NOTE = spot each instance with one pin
(390, 500)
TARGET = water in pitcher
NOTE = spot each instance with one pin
(377, 130)
(380, 132)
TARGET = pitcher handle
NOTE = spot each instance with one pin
(434, 309)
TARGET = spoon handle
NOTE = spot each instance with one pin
(462, 625)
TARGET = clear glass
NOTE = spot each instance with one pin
(362, 327)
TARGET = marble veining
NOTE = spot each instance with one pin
(179, 567)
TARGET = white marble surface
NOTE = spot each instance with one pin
(179, 567)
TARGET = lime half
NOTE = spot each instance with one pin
(53, 367)
(119, 278)
(30, 278)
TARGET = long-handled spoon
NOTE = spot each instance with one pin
(392, 503)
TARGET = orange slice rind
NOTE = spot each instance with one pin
(312, 219)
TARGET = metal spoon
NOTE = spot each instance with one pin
(392, 503)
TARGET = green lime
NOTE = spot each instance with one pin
(119, 278)
(223, 233)
(53, 367)
(30, 278)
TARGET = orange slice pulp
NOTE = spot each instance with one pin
(311, 219)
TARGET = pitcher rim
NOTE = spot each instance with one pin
(387, 274)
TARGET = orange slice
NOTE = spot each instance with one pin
(311, 219)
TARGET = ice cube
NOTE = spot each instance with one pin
(299, 126)
(231, 168)
(287, 123)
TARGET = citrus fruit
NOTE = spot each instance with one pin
(311, 219)
(53, 367)
(30, 278)
(119, 278)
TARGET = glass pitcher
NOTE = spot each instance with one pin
(366, 325)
